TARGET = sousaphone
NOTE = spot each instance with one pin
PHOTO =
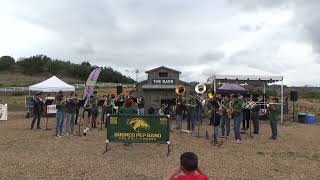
(180, 90)
(200, 88)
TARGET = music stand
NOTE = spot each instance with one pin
(46, 103)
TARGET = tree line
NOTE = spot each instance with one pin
(44, 65)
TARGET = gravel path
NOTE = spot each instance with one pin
(36, 154)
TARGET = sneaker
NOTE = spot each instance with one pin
(222, 137)
(57, 136)
(61, 135)
(238, 141)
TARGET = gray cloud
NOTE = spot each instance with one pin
(197, 38)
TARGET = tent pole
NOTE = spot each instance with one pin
(214, 84)
(282, 101)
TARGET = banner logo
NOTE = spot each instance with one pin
(138, 123)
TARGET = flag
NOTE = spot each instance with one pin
(91, 82)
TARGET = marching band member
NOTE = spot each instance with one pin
(167, 109)
(191, 108)
(94, 109)
(107, 105)
(86, 119)
(127, 107)
(140, 102)
(246, 114)
(225, 121)
(237, 107)
(36, 110)
(71, 108)
(198, 109)
(114, 99)
(215, 120)
(60, 102)
(255, 116)
(103, 109)
(161, 110)
(179, 112)
(273, 116)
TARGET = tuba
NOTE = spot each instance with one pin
(200, 88)
(180, 90)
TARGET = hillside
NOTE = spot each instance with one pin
(26, 71)
(17, 79)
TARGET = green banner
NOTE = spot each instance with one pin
(138, 129)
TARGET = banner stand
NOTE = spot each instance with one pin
(79, 123)
(169, 150)
(47, 129)
(107, 147)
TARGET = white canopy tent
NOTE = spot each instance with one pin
(52, 84)
(253, 79)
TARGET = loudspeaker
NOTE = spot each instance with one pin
(119, 90)
(293, 95)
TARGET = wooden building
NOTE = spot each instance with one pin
(159, 88)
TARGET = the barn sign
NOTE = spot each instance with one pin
(163, 81)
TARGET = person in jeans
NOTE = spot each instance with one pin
(60, 102)
(191, 110)
(140, 102)
(237, 107)
(179, 112)
(103, 109)
(216, 125)
(246, 115)
(255, 116)
(188, 168)
(108, 106)
(94, 109)
(225, 121)
(71, 110)
(198, 109)
(36, 110)
(273, 116)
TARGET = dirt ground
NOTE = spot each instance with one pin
(36, 154)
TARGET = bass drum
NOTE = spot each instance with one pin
(263, 113)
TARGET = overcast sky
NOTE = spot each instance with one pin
(198, 38)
